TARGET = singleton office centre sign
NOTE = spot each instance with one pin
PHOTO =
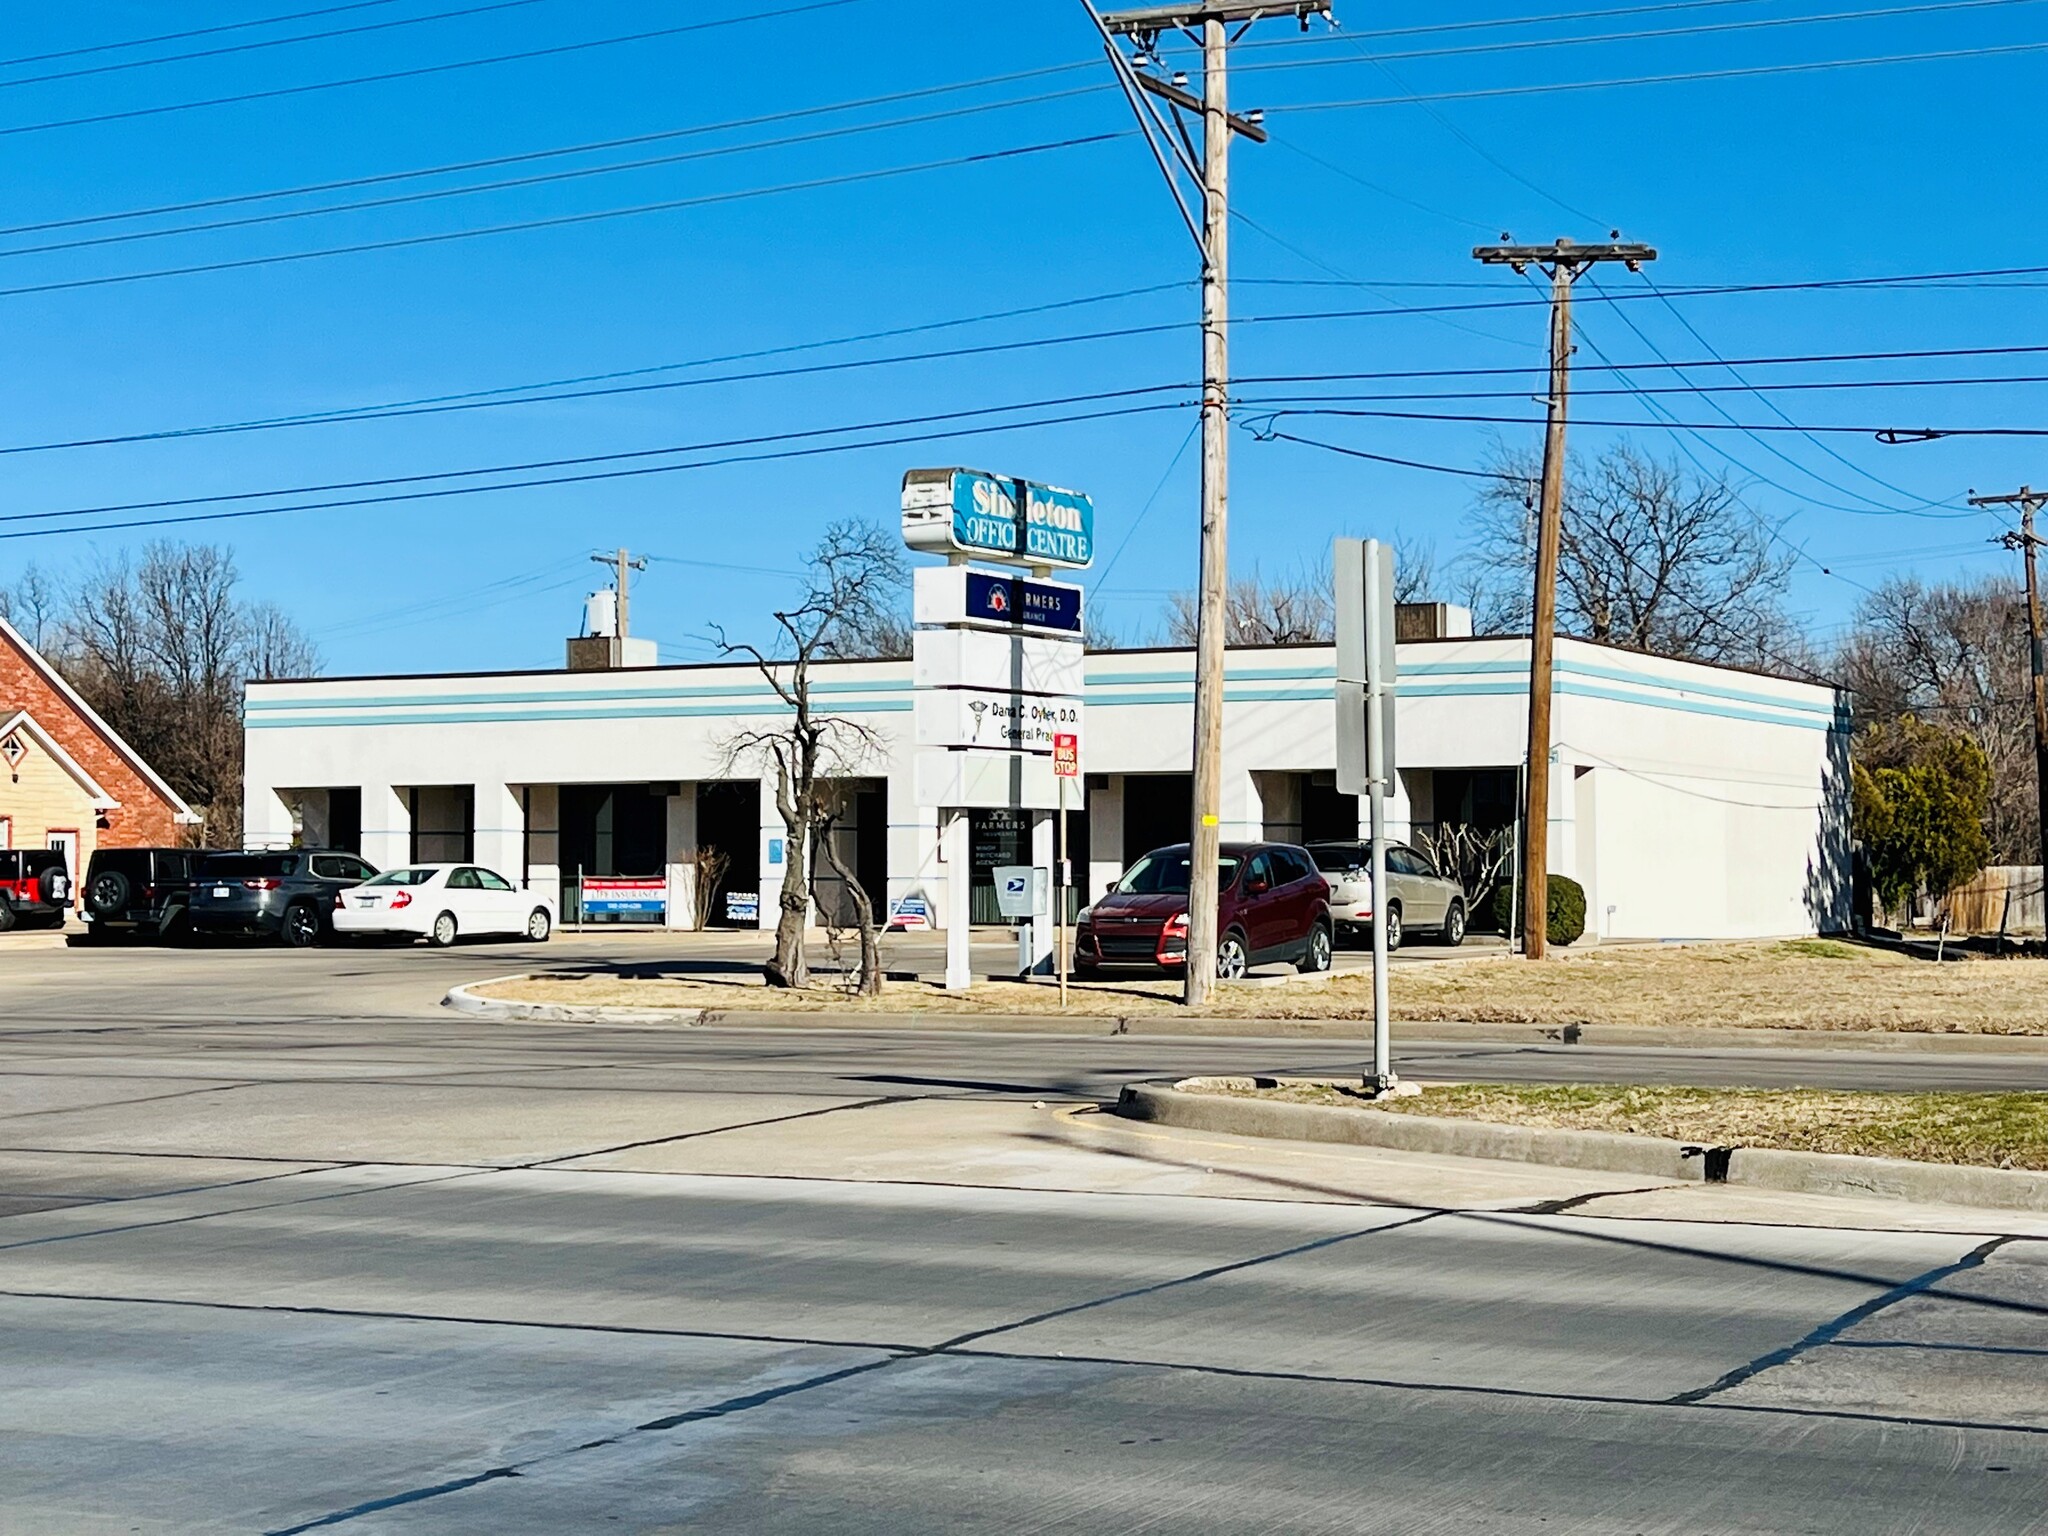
(971, 512)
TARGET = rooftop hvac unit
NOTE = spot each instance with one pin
(601, 613)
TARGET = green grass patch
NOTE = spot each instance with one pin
(1821, 949)
(1991, 1130)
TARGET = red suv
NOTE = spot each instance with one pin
(1272, 904)
(35, 887)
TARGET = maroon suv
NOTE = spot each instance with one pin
(1272, 904)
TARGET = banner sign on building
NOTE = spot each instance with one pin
(621, 895)
(969, 511)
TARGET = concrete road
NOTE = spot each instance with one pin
(271, 1264)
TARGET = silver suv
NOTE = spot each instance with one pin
(1417, 895)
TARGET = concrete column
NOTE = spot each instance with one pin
(682, 858)
(266, 821)
(499, 840)
(1035, 954)
(543, 838)
(387, 826)
(914, 867)
(774, 860)
(1241, 812)
(1105, 840)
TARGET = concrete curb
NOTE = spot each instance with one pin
(1810, 1173)
(1445, 1032)
(1650, 1156)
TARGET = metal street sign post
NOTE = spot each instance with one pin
(1066, 764)
(1365, 739)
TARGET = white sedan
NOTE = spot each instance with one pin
(443, 902)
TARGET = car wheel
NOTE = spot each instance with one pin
(1231, 959)
(1393, 922)
(540, 925)
(6, 914)
(443, 933)
(301, 926)
(108, 893)
(1454, 925)
(1315, 956)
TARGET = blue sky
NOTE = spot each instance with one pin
(1825, 175)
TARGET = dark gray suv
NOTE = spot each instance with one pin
(288, 896)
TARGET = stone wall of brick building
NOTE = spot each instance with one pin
(145, 817)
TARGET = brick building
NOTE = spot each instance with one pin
(66, 779)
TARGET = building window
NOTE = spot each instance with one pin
(443, 823)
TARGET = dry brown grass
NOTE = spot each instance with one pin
(1993, 1130)
(1796, 984)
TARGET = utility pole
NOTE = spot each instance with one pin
(621, 567)
(1209, 23)
(2030, 501)
(1565, 262)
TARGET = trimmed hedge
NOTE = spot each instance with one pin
(1566, 919)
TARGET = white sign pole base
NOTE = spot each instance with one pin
(959, 922)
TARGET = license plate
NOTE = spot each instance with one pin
(220, 893)
(368, 901)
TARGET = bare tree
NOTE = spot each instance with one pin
(852, 593)
(1955, 653)
(161, 649)
(1652, 557)
(33, 605)
(1299, 608)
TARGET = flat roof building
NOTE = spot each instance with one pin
(1691, 801)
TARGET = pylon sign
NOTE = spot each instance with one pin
(972, 512)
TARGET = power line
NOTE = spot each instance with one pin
(1681, 426)
(272, 42)
(179, 37)
(559, 221)
(618, 474)
(620, 456)
(816, 135)
(1687, 77)
(277, 92)
(519, 393)
(525, 157)
(1521, 45)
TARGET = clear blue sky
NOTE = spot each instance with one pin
(1905, 168)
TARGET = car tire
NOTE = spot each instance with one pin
(108, 893)
(442, 934)
(300, 927)
(539, 925)
(1315, 954)
(6, 914)
(1454, 925)
(1232, 958)
(1393, 921)
(50, 883)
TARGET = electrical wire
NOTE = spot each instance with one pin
(532, 465)
(272, 42)
(179, 37)
(560, 221)
(544, 178)
(616, 474)
(488, 398)
(1754, 71)
(277, 92)
(525, 157)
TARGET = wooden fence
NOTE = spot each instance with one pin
(2004, 896)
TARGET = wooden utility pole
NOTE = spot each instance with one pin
(1565, 262)
(1209, 23)
(621, 566)
(2026, 541)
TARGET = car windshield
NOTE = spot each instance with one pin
(1165, 873)
(243, 866)
(408, 876)
(1339, 857)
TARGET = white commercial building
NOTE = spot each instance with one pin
(1691, 801)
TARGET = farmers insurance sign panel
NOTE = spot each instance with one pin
(967, 511)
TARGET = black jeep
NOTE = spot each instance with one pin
(140, 892)
(35, 888)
